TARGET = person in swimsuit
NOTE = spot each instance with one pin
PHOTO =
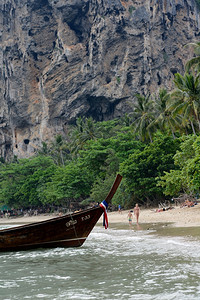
(137, 212)
(130, 216)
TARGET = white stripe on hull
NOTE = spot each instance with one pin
(50, 242)
(75, 239)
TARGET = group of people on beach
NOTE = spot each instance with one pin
(163, 209)
(136, 212)
(188, 203)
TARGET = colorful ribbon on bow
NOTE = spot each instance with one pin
(104, 205)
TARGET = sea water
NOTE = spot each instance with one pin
(113, 264)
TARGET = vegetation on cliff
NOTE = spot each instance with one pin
(156, 148)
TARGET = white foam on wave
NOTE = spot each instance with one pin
(6, 284)
(137, 266)
(83, 294)
(58, 277)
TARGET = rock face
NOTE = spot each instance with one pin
(60, 59)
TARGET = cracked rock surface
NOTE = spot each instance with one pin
(60, 59)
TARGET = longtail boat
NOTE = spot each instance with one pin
(70, 230)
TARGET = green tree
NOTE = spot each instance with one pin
(186, 98)
(165, 118)
(185, 179)
(101, 188)
(142, 168)
(69, 183)
(194, 63)
(84, 131)
(103, 156)
(22, 183)
(44, 149)
(59, 150)
(144, 116)
(173, 183)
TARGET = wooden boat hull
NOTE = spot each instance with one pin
(67, 231)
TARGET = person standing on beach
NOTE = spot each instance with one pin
(130, 216)
(137, 212)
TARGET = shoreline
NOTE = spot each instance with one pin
(176, 217)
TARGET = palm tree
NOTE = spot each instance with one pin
(90, 132)
(59, 150)
(164, 116)
(143, 115)
(44, 149)
(194, 63)
(83, 131)
(187, 98)
(126, 120)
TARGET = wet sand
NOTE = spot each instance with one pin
(176, 217)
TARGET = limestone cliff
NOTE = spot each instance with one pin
(60, 59)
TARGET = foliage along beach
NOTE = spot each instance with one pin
(156, 148)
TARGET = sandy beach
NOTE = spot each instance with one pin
(177, 217)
